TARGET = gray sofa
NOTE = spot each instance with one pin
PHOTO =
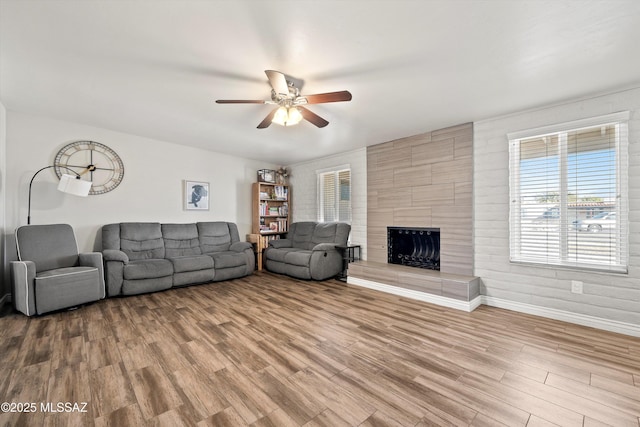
(309, 250)
(147, 257)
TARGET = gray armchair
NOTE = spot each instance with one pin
(50, 274)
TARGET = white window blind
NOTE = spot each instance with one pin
(334, 196)
(569, 194)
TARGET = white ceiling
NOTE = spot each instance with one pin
(154, 68)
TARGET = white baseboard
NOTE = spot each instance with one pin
(467, 306)
(565, 316)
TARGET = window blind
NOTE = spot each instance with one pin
(335, 196)
(569, 195)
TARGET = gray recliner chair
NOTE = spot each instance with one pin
(50, 274)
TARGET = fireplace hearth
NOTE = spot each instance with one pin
(415, 247)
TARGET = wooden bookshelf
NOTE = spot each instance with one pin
(271, 215)
(271, 208)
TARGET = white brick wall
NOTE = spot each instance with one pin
(608, 296)
(304, 201)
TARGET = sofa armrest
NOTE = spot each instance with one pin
(325, 247)
(23, 275)
(240, 246)
(94, 259)
(280, 243)
(114, 261)
(247, 249)
(326, 261)
(91, 259)
(115, 255)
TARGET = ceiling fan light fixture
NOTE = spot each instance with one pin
(290, 110)
(294, 116)
(287, 116)
(280, 117)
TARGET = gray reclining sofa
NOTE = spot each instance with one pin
(309, 250)
(147, 257)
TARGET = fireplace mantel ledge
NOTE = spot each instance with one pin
(451, 290)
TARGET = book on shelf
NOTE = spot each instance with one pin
(283, 210)
(275, 226)
(280, 192)
(269, 210)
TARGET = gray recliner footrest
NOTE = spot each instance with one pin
(66, 287)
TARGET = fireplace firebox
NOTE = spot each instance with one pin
(415, 247)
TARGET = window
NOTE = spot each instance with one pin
(334, 190)
(569, 194)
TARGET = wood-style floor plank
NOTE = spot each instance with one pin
(271, 351)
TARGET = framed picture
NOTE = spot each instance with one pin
(196, 196)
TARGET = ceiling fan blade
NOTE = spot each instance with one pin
(239, 101)
(312, 117)
(343, 95)
(267, 120)
(278, 82)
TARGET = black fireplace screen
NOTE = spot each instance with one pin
(415, 247)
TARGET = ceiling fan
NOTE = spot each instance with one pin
(290, 103)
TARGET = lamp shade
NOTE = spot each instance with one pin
(280, 117)
(294, 116)
(74, 185)
(287, 116)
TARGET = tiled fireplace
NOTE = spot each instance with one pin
(419, 189)
(423, 181)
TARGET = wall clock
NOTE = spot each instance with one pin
(94, 162)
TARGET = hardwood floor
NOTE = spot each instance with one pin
(272, 351)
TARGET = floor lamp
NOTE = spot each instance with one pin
(68, 184)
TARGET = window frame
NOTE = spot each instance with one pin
(620, 120)
(337, 191)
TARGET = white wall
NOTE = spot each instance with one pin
(304, 191)
(152, 188)
(4, 274)
(612, 297)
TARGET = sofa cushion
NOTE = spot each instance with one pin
(180, 240)
(140, 240)
(279, 254)
(214, 236)
(325, 233)
(300, 257)
(301, 234)
(191, 263)
(228, 259)
(60, 273)
(58, 250)
(148, 269)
